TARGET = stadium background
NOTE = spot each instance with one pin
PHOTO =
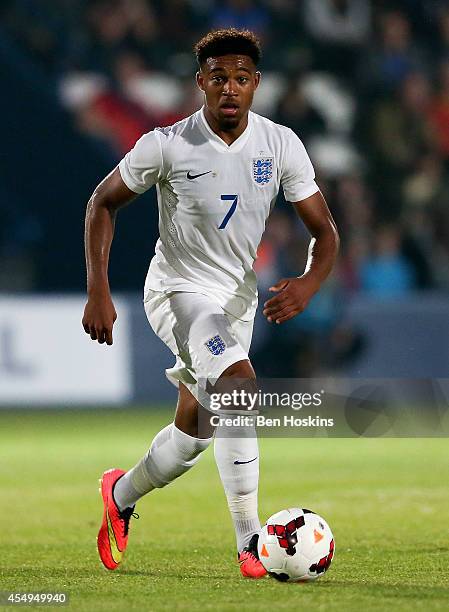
(366, 85)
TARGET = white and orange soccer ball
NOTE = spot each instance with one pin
(296, 545)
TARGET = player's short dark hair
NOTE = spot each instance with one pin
(228, 41)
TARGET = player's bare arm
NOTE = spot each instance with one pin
(99, 312)
(294, 294)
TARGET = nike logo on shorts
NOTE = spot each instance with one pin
(240, 462)
(194, 176)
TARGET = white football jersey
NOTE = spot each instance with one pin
(214, 200)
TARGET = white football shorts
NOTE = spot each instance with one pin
(204, 338)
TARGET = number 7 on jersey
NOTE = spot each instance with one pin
(231, 211)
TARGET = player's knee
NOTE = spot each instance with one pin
(241, 369)
(191, 418)
(238, 381)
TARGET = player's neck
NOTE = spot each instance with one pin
(228, 136)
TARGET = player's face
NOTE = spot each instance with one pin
(229, 83)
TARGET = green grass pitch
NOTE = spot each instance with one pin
(385, 499)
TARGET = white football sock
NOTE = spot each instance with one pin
(238, 464)
(172, 453)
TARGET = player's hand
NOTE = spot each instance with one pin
(293, 295)
(99, 318)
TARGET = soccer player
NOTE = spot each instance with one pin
(217, 173)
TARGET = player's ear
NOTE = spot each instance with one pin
(200, 80)
(257, 78)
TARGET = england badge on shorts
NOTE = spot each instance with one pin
(262, 169)
(216, 345)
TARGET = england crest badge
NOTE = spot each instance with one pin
(216, 345)
(262, 169)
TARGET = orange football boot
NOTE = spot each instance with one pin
(250, 566)
(112, 538)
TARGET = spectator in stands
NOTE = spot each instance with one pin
(442, 46)
(117, 25)
(355, 205)
(392, 57)
(401, 133)
(151, 95)
(104, 111)
(439, 111)
(244, 14)
(425, 219)
(338, 29)
(386, 273)
(295, 111)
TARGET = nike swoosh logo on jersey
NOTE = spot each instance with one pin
(194, 176)
(240, 462)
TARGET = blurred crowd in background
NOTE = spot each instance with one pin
(364, 83)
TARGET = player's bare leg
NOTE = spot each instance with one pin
(191, 417)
